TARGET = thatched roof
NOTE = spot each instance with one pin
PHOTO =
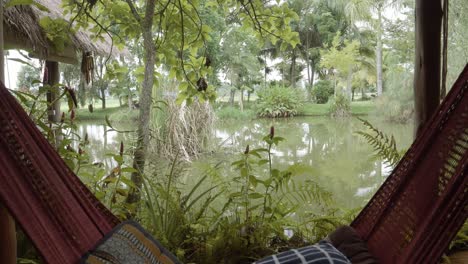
(22, 31)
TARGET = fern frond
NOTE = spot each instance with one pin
(384, 145)
(308, 192)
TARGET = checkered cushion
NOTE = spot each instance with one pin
(321, 253)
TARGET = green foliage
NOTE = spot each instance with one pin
(384, 145)
(278, 101)
(323, 89)
(26, 76)
(57, 31)
(460, 242)
(342, 55)
(340, 106)
(229, 112)
(396, 103)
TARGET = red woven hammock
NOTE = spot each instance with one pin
(419, 209)
(58, 213)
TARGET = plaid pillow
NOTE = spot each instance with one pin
(321, 253)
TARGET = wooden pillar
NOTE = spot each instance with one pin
(427, 60)
(7, 224)
(8, 237)
(53, 77)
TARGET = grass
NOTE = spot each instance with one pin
(224, 111)
(116, 113)
(357, 108)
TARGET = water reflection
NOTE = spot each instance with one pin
(343, 162)
(102, 142)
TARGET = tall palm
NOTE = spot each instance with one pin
(363, 10)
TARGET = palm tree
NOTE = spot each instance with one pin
(364, 11)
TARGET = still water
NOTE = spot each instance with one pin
(342, 161)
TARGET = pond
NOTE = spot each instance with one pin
(342, 161)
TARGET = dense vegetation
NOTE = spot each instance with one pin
(191, 64)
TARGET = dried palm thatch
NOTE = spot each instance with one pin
(22, 31)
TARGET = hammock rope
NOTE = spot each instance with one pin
(423, 203)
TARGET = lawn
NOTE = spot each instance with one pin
(115, 112)
(357, 108)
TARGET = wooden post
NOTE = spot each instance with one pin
(427, 60)
(7, 224)
(53, 77)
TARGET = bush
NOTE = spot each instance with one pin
(322, 91)
(278, 101)
(340, 106)
(396, 103)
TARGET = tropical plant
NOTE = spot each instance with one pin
(340, 106)
(278, 101)
(322, 91)
(383, 144)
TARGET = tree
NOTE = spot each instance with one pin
(26, 75)
(370, 11)
(173, 34)
(341, 59)
(239, 58)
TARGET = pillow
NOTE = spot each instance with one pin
(321, 253)
(347, 241)
(128, 243)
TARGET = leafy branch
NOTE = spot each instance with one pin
(383, 144)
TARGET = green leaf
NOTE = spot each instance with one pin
(255, 195)
(26, 2)
(129, 169)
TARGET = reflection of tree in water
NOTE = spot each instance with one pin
(103, 142)
(344, 162)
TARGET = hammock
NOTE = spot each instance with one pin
(419, 209)
(411, 219)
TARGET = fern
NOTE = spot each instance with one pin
(384, 145)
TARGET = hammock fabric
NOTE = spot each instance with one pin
(419, 209)
(56, 210)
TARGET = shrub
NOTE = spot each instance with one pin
(278, 101)
(340, 106)
(322, 91)
(396, 103)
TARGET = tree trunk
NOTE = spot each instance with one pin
(378, 51)
(241, 101)
(311, 82)
(292, 70)
(143, 131)
(231, 96)
(349, 85)
(120, 101)
(427, 60)
(7, 224)
(103, 97)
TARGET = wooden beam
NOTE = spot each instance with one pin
(427, 60)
